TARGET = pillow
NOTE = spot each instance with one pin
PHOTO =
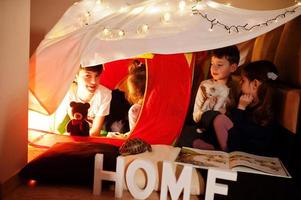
(156, 156)
(70, 162)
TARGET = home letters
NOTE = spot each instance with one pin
(169, 181)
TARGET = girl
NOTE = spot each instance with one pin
(136, 87)
(253, 120)
(252, 123)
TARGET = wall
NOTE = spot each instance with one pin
(44, 15)
(14, 53)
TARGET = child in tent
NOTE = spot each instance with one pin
(86, 89)
(253, 124)
(224, 89)
(136, 82)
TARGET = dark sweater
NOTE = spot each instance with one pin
(248, 136)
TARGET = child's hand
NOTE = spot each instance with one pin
(244, 101)
(222, 110)
(212, 102)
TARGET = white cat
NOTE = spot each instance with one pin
(213, 89)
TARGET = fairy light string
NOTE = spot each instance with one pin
(197, 9)
(237, 28)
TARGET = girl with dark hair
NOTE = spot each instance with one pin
(253, 121)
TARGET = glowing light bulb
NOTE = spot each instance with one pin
(182, 5)
(210, 29)
(143, 29)
(106, 31)
(32, 183)
(121, 33)
(166, 18)
(87, 14)
(98, 2)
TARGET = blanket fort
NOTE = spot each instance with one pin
(94, 32)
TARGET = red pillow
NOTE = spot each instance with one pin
(70, 162)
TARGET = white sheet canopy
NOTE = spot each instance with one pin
(94, 31)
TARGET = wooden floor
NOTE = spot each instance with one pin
(65, 192)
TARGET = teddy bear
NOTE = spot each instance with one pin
(78, 125)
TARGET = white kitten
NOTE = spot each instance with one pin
(214, 89)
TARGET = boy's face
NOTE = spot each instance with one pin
(221, 68)
(87, 80)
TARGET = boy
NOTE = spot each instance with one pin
(224, 62)
(87, 89)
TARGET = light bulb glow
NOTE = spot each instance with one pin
(106, 31)
(182, 5)
(121, 33)
(166, 18)
(143, 29)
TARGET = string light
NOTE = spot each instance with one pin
(143, 29)
(237, 28)
(111, 34)
(166, 18)
(121, 33)
(106, 31)
(182, 5)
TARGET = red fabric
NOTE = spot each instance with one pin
(114, 72)
(166, 101)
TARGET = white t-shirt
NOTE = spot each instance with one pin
(99, 104)
(133, 114)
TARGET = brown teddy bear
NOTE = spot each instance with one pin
(78, 125)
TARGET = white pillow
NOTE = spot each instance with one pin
(158, 154)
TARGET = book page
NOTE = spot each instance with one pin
(269, 165)
(204, 158)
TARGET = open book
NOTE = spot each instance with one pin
(236, 161)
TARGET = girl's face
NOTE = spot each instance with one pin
(87, 80)
(249, 87)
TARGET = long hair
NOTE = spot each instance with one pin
(265, 72)
(136, 81)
